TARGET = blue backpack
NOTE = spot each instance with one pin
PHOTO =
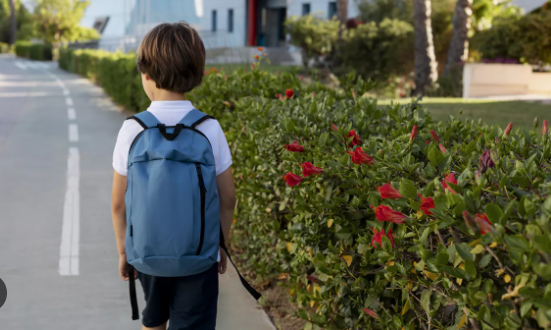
(172, 203)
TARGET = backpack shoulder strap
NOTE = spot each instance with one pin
(146, 119)
(194, 118)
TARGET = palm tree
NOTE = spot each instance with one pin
(342, 14)
(425, 60)
(459, 45)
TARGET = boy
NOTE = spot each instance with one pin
(160, 150)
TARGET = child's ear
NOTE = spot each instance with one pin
(147, 77)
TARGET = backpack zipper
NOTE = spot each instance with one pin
(203, 201)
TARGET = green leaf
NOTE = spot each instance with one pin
(408, 189)
(508, 211)
(464, 251)
(455, 272)
(493, 212)
(529, 207)
(303, 314)
(442, 256)
(470, 268)
(518, 243)
(435, 156)
(420, 266)
(485, 260)
(425, 300)
(525, 307)
(470, 148)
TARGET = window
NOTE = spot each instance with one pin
(332, 10)
(230, 20)
(213, 21)
(305, 9)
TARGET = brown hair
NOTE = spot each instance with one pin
(173, 55)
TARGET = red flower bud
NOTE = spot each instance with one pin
(313, 94)
(509, 128)
(309, 169)
(427, 142)
(442, 148)
(545, 128)
(292, 179)
(360, 157)
(371, 313)
(289, 93)
(387, 191)
(385, 213)
(486, 161)
(434, 135)
(312, 279)
(294, 147)
(353, 93)
(483, 223)
(413, 133)
(334, 127)
(356, 140)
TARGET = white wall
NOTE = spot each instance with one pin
(223, 38)
(318, 7)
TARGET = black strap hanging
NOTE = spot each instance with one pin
(133, 298)
(256, 295)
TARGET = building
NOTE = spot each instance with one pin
(221, 23)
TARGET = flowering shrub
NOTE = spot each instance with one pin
(371, 226)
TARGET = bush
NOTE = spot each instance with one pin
(4, 48)
(315, 36)
(41, 52)
(22, 48)
(466, 238)
(527, 39)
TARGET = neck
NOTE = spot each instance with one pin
(164, 95)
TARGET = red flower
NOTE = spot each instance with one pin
(385, 213)
(334, 127)
(434, 135)
(353, 93)
(413, 133)
(378, 237)
(294, 147)
(484, 223)
(313, 94)
(509, 128)
(371, 313)
(442, 149)
(309, 169)
(486, 161)
(387, 191)
(256, 57)
(449, 179)
(260, 49)
(545, 128)
(402, 94)
(292, 179)
(426, 205)
(360, 157)
(427, 142)
(289, 93)
(356, 140)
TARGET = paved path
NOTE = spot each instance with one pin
(57, 249)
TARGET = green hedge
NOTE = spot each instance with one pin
(37, 52)
(23, 48)
(471, 238)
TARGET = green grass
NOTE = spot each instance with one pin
(521, 113)
(264, 66)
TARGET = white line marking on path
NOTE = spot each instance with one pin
(20, 65)
(69, 101)
(70, 233)
(71, 114)
(73, 133)
(65, 92)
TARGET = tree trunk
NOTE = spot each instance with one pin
(459, 46)
(425, 59)
(342, 14)
(13, 25)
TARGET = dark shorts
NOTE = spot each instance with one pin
(189, 303)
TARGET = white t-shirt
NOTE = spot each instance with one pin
(170, 113)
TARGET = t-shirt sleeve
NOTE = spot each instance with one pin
(222, 154)
(122, 147)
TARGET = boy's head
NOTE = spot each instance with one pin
(171, 57)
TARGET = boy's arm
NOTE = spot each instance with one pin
(226, 193)
(118, 213)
